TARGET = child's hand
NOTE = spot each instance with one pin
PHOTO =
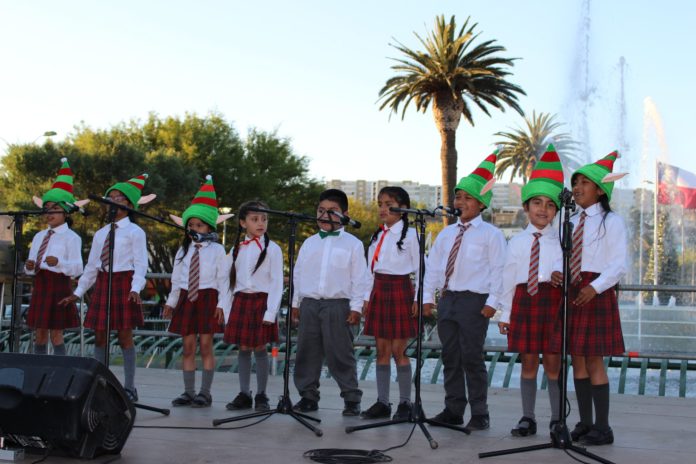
(51, 261)
(488, 312)
(585, 295)
(167, 312)
(556, 278)
(504, 327)
(266, 323)
(134, 297)
(295, 316)
(220, 315)
(30, 264)
(427, 309)
(67, 300)
(353, 318)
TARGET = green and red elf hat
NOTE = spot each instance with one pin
(61, 192)
(133, 190)
(204, 206)
(601, 173)
(546, 179)
(479, 183)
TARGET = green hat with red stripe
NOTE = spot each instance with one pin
(601, 173)
(479, 183)
(546, 179)
(133, 190)
(62, 190)
(204, 205)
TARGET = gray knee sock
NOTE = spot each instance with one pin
(261, 370)
(555, 399)
(207, 380)
(383, 379)
(100, 354)
(40, 349)
(59, 349)
(244, 370)
(129, 367)
(583, 392)
(190, 382)
(403, 376)
(529, 388)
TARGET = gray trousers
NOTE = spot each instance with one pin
(324, 334)
(462, 330)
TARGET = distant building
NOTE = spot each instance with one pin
(367, 191)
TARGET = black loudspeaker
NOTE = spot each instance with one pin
(63, 405)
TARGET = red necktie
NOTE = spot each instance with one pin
(194, 273)
(449, 270)
(576, 257)
(105, 250)
(43, 248)
(375, 257)
(251, 240)
(533, 279)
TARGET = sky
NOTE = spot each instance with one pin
(312, 70)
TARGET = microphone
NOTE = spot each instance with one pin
(197, 237)
(73, 208)
(345, 220)
(450, 212)
(566, 198)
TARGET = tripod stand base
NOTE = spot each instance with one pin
(284, 407)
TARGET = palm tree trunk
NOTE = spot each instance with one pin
(447, 111)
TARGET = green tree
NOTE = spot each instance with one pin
(452, 73)
(522, 147)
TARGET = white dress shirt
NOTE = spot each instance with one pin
(391, 260)
(130, 254)
(604, 247)
(479, 264)
(332, 267)
(65, 245)
(214, 272)
(516, 270)
(268, 278)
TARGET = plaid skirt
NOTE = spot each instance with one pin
(389, 308)
(44, 312)
(595, 328)
(535, 320)
(245, 324)
(124, 313)
(197, 317)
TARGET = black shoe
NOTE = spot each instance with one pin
(403, 411)
(242, 401)
(525, 427)
(202, 400)
(579, 431)
(447, 417)
(132, 394)
(306, 405)
(597, 437)
(261, 402)
(553, 424)
(479, 422)
(378, 410)
(352, 408)
(185, 399)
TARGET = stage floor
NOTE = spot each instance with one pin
(647, 429)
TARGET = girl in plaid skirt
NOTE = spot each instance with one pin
(391, 258)
(256, 287)
(530, 303)
(199, 283)
(597, 264)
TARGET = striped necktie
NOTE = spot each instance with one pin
(533, 279)
(449, 270)
(43, 248)
(375, 257)
(194, 273)
(105, 250)
(576, 257)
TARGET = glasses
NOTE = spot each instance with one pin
(323, 211)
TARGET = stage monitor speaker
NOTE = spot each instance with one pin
(63, 405)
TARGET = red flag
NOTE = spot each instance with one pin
(675, 186)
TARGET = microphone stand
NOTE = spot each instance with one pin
(15, 328)
(285, 404)
(417, 415)
(560, 437)
(111, 218)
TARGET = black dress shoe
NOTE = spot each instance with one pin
(597, 437)
(479, 422)
(579, 431)
(525, 427)
(378, 410)
(202, 400)
(403, 411)
(185, 399)
(261, 402)
(305, 405)
(132, 394)
(242, 401)
(352, 408)
(447, 417)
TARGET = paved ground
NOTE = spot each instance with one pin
(647, 429)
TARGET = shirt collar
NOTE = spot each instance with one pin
(60, 229)
(125, 222)
(396, 228)
(531, 228)
(474, 222)
(593, 210)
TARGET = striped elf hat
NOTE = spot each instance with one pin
(546, 179)
(62, 190)
(204, 206)
(479, 183)
(601, 173)
(133, 190)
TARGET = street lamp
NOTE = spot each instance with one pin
(225, 210)
(45, 134)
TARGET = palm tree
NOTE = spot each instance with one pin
(452, 73)
(522, 148)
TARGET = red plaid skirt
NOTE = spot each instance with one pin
(595, 328)
(44, 312)
(389, 308)
(124, 314)
(197, 317)
(245, 325)
(535, 320)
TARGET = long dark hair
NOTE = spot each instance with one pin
(603, 202)
(243, 212)
(401, 197)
